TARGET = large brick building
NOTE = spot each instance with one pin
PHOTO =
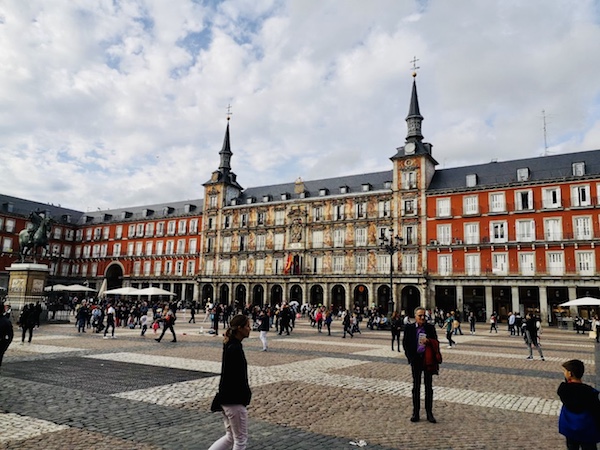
(504, 236)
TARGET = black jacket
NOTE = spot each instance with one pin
(409, 341)
(233, 387)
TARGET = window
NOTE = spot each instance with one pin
(523, 174)
(68, 237)
(279, 241)
(443, 207)
(280, 217)
(139, 230)
(78, 234)
(409, 263)
(472, 233)
(471, 180)
(7, 244)
(226, 221)
(116, 250)
(147, 268)
(193, 246)
(129, 249)
(1, 222)
(227, 244)
(361, 210)
(317, 264)
(149, 248)
(260, 266)
(444, 264)
(169, 248)
(159, 248)
(137, 268)
(119, 232)
(525, 230)
(160, 229)
(130, 231)
(179, 268)
(10, 225)
(181, 246)
(444, 234)
(157, 268)
(149, 229)
(105, 233)
(210, 267)
(103, 250)
(338, 264)
(67, 251)
(360, 237)
(585, 263)
(409, 234)
(471, 205)
(88, 233)
(242, 243)
(409, 180)
(338, 212)
(168, 267)
(244, 220)
(260, 218)
(472, 264)
(582, 227)
(497, 202)
(553, 229)
(278, 266)
(243, 267)
(190, 268)
(94, 269)
(384, 208)
(182, 226)
(498, 232)
(212, 201)
(261, 240)
(500, 264)
(57, 232)
(339, 237)
(361, 264)
(551, 198)
(138, 248)
(527, 263)
(524, 200)
(171, 228)
(578, 169)
(317, 239)
(193, 226)
(409, 207)
(555, 264)
(383, 264)
(317, 213)
(580, 196)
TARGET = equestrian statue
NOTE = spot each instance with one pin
(35, 235)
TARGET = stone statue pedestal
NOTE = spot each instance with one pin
(26, 284)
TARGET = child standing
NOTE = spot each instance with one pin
(579, 418)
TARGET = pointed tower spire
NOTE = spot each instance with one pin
(225, 153)
(414, 118)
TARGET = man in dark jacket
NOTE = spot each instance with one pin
(416, 337)
(6, 334)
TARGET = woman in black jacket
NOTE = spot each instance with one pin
(234, 391)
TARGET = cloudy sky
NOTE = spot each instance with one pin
(113, 103)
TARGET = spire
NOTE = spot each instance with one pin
(225, 153)
(414, 118)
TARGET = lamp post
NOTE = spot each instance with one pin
(391, 244)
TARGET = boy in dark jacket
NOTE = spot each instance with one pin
(580, 415)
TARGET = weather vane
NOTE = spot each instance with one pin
(229, 113)
(415, 67)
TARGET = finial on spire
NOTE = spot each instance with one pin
(414, 67)
(229, 113)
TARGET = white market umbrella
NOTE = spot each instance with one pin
(583, 301)
(154, 291)
(123, 291)
(78, 288)
(55, 287)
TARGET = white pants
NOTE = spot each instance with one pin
(263, 339)
(235, 418)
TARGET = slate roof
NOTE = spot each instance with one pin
(312, 187)
(22, 207)
(544, 168)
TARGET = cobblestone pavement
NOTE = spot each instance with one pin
(310, 391)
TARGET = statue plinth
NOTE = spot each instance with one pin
(26, 283)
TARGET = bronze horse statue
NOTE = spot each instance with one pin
(35, 236)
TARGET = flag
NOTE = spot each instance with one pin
(288, 264)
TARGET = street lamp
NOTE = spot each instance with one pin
(391, 244)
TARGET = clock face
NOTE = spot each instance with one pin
(409, 148)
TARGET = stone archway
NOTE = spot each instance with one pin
(114, 276)
(383, 298)
(411, 297)
(316, 295)
(296, 294)
(240, 296)
(208, 294)
(338, 298)
(258, 296)
(361, 297)
(276, 295)
(224, 294)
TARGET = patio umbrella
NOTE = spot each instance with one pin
(78, 288)
(55, 287)
(154, 291)
(123, 291)
(583, 301)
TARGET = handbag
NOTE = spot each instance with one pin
(216, 403)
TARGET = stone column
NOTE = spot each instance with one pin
(489, 303)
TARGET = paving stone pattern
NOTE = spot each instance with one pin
(310, 391)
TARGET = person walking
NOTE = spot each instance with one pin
(457, 322)
(596, 327)
(328, 320)
(449, 324)
(494, 322)
(396, 326)
(6, 334)
(263, 327)
(192, 314)
(168, 320)
(234, 392)
(346, 324)
(110, 321)
(82, 317)
(420, 342)
(531, 336)
(472, 321)
(27, 322)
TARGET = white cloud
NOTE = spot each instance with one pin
(109, 104)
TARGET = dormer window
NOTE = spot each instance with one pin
(387, 185)
(285, 196)
(322, 192)
(523, 174)
(249, 200)
(471, 180)
(302, 194)
(234, 201)
(366, 187)
(343, 189)
(578, 169)
(266, 198)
